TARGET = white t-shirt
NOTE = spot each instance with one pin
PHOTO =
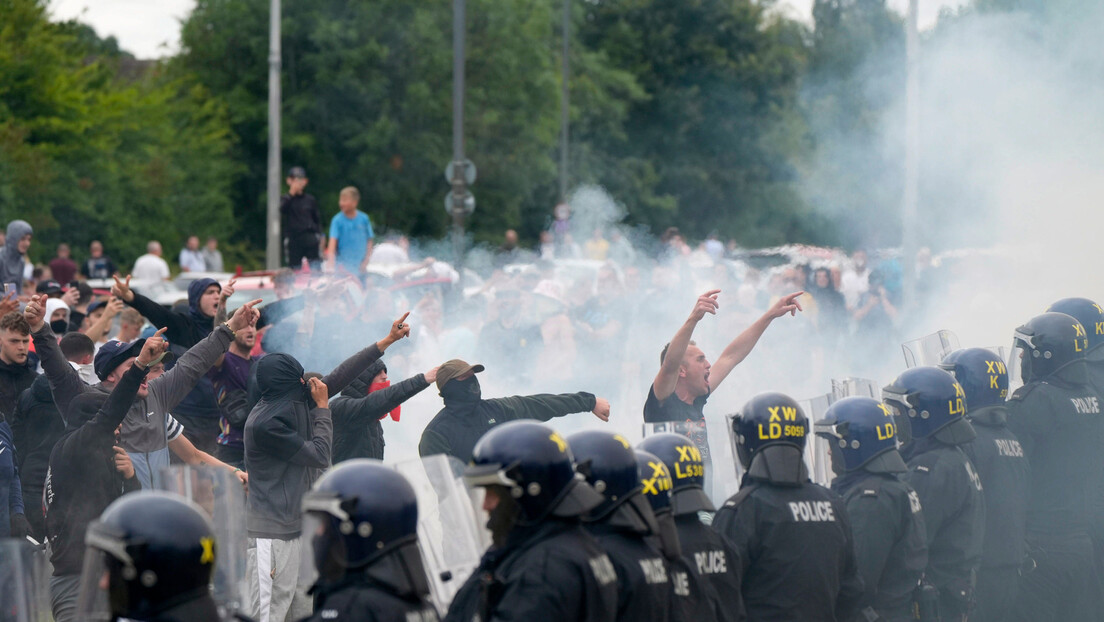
(150, 268)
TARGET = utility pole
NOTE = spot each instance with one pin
(273, 247)
(912, 154)
(565, 100)
(460, 173)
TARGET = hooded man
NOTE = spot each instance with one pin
(14, 252)
(288, 440)
(57, 313)
(357, 412)
(199, 411)
(467, 416)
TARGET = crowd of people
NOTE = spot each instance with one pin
(953, 497)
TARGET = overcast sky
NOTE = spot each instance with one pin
(151, 28)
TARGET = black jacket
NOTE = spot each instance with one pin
(1006, 480)
(715, 561)
(891, 548)
(643, 585)
(692, 597)
(553, 572)
(950, 494)
(794, 539)
(365, 602)
(357, 413)
(300, 215)
(82, 480)
(37, 425)
(458, 426)
(14, 380)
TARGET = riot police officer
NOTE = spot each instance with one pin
(1003, 468)
(154, 554)
(543, 566)
(622, 522)
(1056, 416)
(714, 558)
(929, 409)
(361, 525)
(793, 536)
(692, 599)
(891, 547)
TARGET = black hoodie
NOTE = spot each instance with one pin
(36, 426)
(15, 378)
(357, 413)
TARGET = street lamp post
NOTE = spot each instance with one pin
(565, 100)
(273, 254)
(912, 153)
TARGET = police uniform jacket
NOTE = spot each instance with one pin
(716, 561)
(643, 586)
(891, 547)
(552, 572)
(954, 512)
(794, 539)
(357, 601)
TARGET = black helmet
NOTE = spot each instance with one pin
(1090, 314)
(684, 463)
(158, 549)
(769, 419)
(926, 401)
(534, 463)
(656, 484)
(608, 463)
(858, 429)
(982, 374)
(366, 513)
(1047, 343)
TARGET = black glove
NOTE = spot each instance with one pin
(20, 528)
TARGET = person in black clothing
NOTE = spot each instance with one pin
(87, 472)
(467, 416)
(543, 566)
(891, 547)
(686, 379)
(199, 411)
(302, 223)
(369, 398)
(622, 523)
(156, 551)
(929, 412)
(374, 575)
(712, 557)
(1005, 475)
(17, 365)
(1056, 416)
(794, 537)
(98, 265)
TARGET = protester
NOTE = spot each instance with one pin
(191, 258)
(17, 368)
(62, 267)
(78, 297)
(467, 416)
(351, 234)
(13, 522)
(302, 223)
(151, 267)
(230, 381)
(13, 254)
(130, 325)
(367, 400)
(212, 257)
(98, 265)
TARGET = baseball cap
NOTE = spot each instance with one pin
(50, 287)
(454, 368)
(297, 171)
(114, 353)
(96, 305)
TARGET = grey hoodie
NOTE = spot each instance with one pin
(11, 260)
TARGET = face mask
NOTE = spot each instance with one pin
(503, 518)
(60, 327)
(462, 390)
(377, 386)
(86, 373)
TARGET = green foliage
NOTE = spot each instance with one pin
(94, 145)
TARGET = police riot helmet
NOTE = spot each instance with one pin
(608, 463)
(858, 430)
(1090, 314)
(655, 480)
(982, 374)
(926, 401)
(768, 419)
(687, 470)
(158, 550)
(1047, 343)
(359, 515)
(535, 465)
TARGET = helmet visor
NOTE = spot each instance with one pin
(1019, 360)
(102, 593)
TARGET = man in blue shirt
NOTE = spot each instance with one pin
(350, 234)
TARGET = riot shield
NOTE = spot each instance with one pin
(219, 493)
(818, 456)
(451, 530)
(929, 349)
(697, 432)
(854, 387)
(24, 582)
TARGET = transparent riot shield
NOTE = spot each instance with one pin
(854, 387)
(451, 523)
(219, 493)
(929, 349)
(817, 454)
(697, 432)
(24, 582)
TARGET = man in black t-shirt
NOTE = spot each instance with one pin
(301, 220)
